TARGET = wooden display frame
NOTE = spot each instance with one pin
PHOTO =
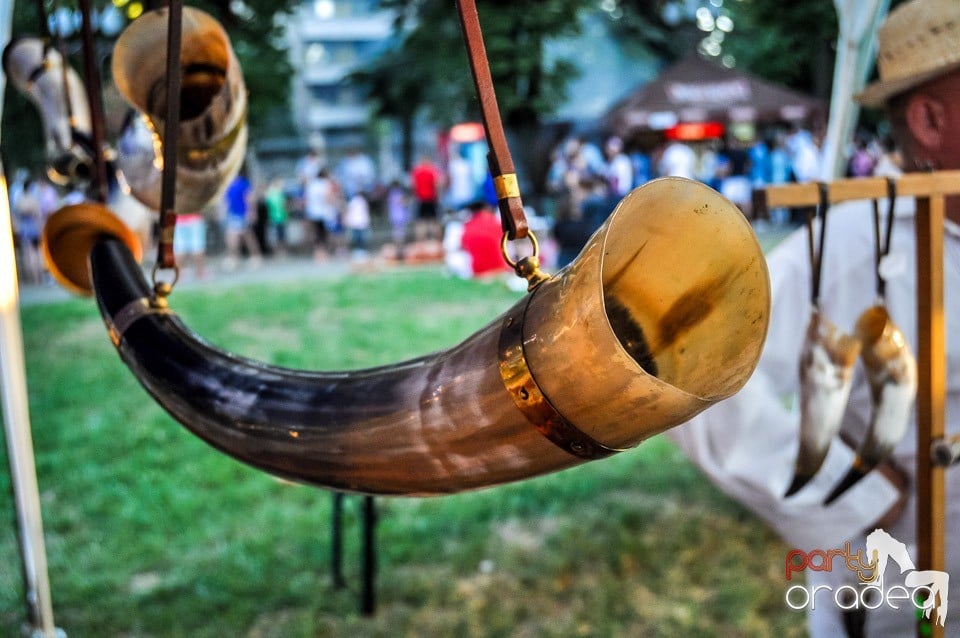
(930, 191)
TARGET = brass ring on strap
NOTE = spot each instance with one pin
(526, 267)
(157, 267)
(506, 255)
(129, 314)
(529, 398)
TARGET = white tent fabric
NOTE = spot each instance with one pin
(856, 47)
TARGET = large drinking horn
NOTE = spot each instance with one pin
(212, 135)
(663, 313)
(37, 70)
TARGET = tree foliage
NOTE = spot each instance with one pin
(645, 21)
(428, 68)
(793, 43)
(790, 43)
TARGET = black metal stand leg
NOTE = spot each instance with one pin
(368, 600)
(336, 541)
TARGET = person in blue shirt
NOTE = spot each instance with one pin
(238, 218)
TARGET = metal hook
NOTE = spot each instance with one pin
(162, 289)
(528, 267)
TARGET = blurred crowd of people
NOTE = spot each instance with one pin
(588, 181)
(32, 201)
(334, 206)
(439, 211)
(329, 209)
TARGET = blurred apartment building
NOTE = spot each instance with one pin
(328, 39)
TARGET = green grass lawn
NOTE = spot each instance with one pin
(150, 532)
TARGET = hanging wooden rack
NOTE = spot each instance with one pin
(930, 191)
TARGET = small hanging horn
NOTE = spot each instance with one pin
(37, 70)
(212, 136)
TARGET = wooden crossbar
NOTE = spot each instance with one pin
(930, 191)
(918, 185)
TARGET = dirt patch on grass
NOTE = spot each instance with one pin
(526, 535)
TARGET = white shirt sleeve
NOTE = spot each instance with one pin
(747, 444)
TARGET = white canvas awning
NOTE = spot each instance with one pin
(859, 21)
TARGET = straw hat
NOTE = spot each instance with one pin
(919, 41)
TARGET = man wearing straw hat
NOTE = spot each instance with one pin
(747, 445)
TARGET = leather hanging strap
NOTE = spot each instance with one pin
(881, 241)
(512, 216)
(815, 245)
(44, 22)
(168, 180)
(94, 94)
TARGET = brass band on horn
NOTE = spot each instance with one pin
(529, 398)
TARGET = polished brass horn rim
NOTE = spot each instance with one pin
(685, 270)
(70, 233)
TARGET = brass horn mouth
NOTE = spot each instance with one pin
(69, 235)
(677, 277)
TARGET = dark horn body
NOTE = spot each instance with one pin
(383, 430)
(448, 421)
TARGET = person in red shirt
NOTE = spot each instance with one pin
(427, 182)
(482, 235)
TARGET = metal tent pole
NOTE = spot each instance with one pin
(16, 421)
(858, 21)
(16, 417)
